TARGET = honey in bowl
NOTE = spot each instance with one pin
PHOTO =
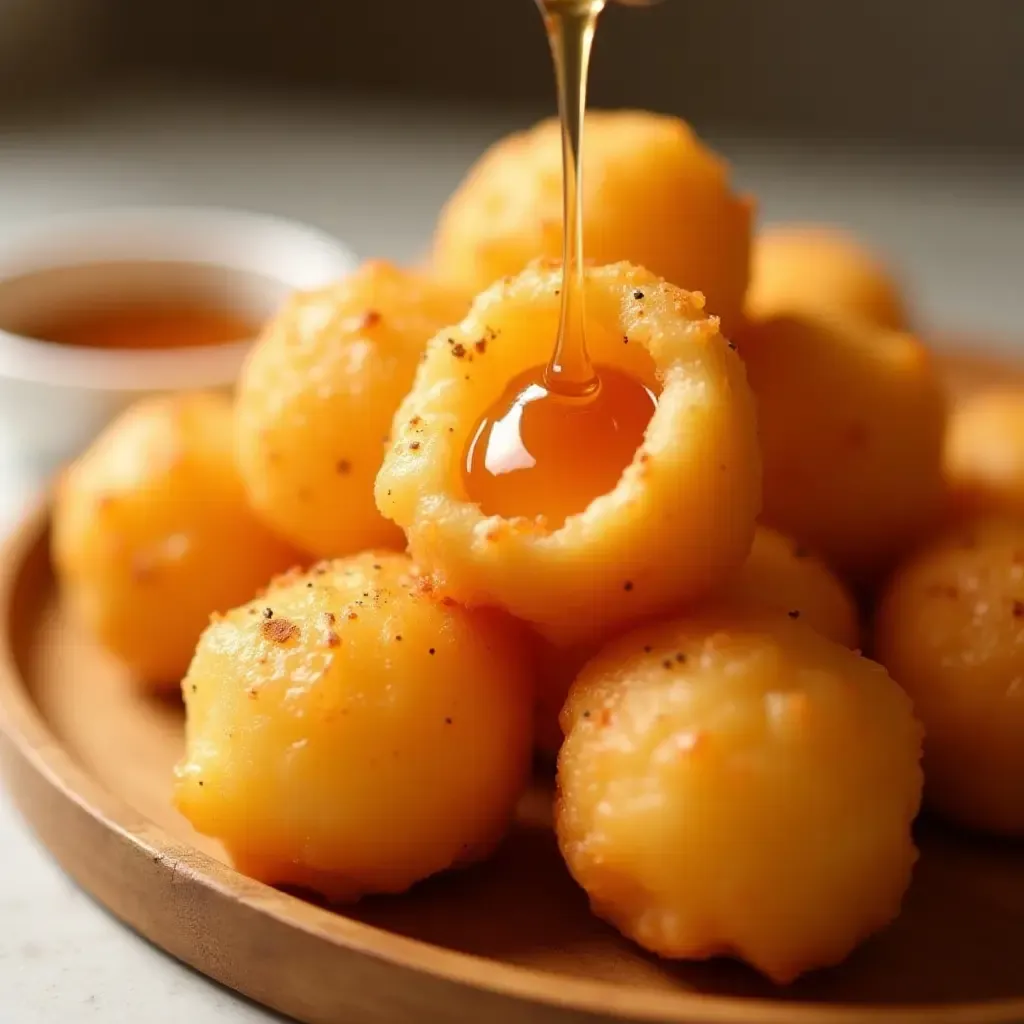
(144, 325)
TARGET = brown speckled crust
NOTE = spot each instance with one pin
(704, 761)
(280, 631)
(317, 396)
(950, 629)
(362, 736)
(681, 516)
(654, 195)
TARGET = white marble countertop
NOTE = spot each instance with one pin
(376, 178)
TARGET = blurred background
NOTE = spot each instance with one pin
(899, 118)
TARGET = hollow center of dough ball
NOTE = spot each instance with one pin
(536, 452)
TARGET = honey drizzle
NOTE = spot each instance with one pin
(563, 433)
(571, 25)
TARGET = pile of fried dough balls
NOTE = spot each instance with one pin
(735, 775)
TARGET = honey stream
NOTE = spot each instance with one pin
(561, 434)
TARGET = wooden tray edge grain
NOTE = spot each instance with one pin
(306, 962)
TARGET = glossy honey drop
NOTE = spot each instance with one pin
(540, 453)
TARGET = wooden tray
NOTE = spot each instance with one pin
(88, 762)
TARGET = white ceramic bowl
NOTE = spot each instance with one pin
(55, 398)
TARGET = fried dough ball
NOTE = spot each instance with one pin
(852, 422)
(779, 574)
(736, 784)
(950, 629)
(985, 453)
(349, 734)
(804, 268)
(654, 195)
(784, 576)
(316, 398)
(152, 533)
(682, 513)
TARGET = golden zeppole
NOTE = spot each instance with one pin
(653, 194)
(681, 511)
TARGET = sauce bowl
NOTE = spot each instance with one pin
(54, 398)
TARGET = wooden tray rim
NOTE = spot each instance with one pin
(30, 744)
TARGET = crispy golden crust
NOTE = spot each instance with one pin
(736, 784)
(316, 398)
(682, 514)
(350, 734)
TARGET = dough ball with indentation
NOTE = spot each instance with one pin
(654, 195)
(852, 422)
(736, 784)
(316, 398)
(805, 268)
(950, 629)
(985, 453)
(680, 515)
(152, 533)
(350, 734)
